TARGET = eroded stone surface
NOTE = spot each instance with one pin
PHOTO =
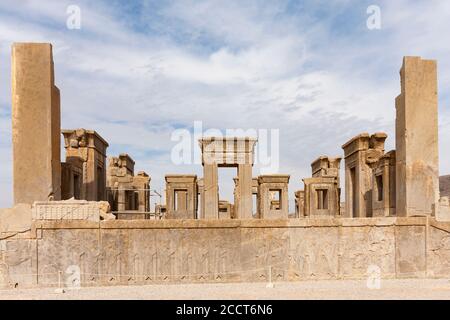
(416, 142)
(148, 251)
(35, 124)
(128, 194)
(72, 210)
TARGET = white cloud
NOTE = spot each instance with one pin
(230, 64)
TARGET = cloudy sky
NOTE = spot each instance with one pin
(138, 70)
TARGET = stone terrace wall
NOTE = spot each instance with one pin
(160, 251)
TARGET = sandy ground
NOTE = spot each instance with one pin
(343, 289)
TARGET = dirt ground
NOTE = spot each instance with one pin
(336, 289)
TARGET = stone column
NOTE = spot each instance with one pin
(236, 196)
(210, 191)
(142, 200)
(244, 210)
(201, 203)
(299, 204)
(35, 124)
(416, 129)
(121, 199)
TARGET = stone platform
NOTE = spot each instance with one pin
(121, 252)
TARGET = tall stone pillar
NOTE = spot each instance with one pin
(210, 197)
(416, 130)
(244, 209)
(35, 124)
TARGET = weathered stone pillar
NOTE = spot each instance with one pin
(201, 203)
(35, 124)
(416, 129)
(299, 204)
(244, 210)
(210, 191)
(142, 200)
(236, 196)
(121, 200)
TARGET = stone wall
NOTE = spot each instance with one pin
(164, 251)
(444, 186)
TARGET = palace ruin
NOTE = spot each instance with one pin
(94, 213)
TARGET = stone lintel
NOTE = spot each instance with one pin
(181, 178)
(274, 178)
(307, 181)
(227, 151)
(93, 139)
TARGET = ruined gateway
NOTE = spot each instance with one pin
(92, 214)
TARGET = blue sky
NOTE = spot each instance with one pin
(137, 70)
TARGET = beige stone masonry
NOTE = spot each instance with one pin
(71, 210)
(35, 124)
(361, 152)
(127, 191)
(416, 144)
(85, 165)
(227, 152)
(181, 196)
(273, 194)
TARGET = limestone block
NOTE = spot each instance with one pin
(438, 258)
(411, 251)
(228, 150)
(16, 219)
(35, 124)
(17, 262)
(416, 132)
(442, 210)
(366, 246)
(71, 210)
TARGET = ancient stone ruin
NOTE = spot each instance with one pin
(95, 215)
